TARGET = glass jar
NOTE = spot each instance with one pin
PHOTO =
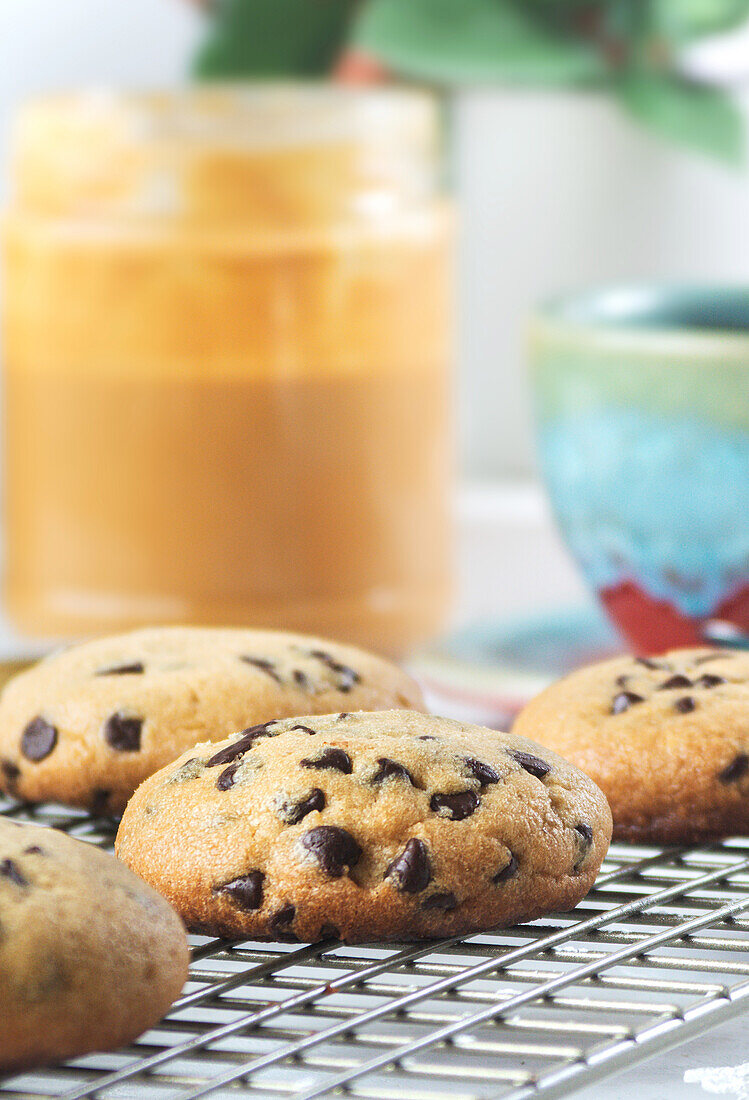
(227, 335)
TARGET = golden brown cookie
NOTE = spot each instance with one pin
(665, 738)
(370, 826)
(87, 725)
(89, 955)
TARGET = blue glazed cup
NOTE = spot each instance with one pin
(642, 401)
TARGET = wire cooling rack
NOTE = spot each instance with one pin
(657, 952)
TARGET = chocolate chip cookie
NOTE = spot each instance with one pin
(89, 955)
(368, 826)
(666, 739)
(86, 726)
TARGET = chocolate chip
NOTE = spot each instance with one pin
(427, 737)
(122, 670)
(226, 778)
(321, 655)
(99, 801)
(282, 917)
(343, 715)
(622, 681)
(483, 772)
(411, 870)
(456, 806)
(12, 774)
(738, 768)
(648, 662)
(333, 848)
(677, 681)
(532, 764)
(391, 769)
(10, 870)
(330, 759)
(123, 733)
(685, 705)
(264, 665)
(347, 677)
(441, 902)
(330, 932)
(34, 850)
(231, 752)
(293, 811)
(239, 747)
(586, 837)
(38, 739)
(303, 681)
(624, 700)
(303, 729)
(507, 872)
(245, 892)
(709, 680)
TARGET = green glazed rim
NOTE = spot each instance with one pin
(678, 321)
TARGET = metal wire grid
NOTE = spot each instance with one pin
(658, 952)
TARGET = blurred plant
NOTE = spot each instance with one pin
(629, 48)
(267, 38)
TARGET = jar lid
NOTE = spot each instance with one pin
(289, 153)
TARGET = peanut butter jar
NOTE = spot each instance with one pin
(227, 334)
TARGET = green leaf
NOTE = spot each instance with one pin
(465, 41)
(685, 20)
(695, 115)
(273, 38)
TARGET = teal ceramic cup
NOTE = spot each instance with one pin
(642, 404)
